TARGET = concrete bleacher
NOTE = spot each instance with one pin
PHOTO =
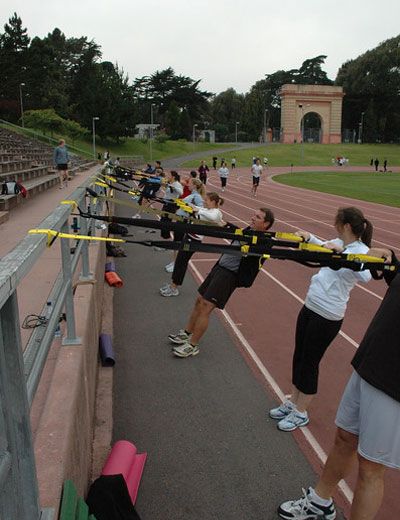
(30, 162)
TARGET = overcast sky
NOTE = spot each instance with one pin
(225, 43)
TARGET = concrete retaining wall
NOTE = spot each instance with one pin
(63, 441)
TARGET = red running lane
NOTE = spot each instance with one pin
(265, 316)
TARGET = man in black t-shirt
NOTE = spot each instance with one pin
(230, 272)
(368, 418)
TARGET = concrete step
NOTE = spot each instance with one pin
(33, 187)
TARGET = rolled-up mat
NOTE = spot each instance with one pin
(110, 266)
(106, 350)
(113, 279)
(124, 459)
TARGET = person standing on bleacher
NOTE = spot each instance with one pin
(61, 159)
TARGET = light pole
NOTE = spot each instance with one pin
(94, 119)
(236, 125)
(194, 134)
(360, 128)
(151, 131)
(302, 133)
(22, 106)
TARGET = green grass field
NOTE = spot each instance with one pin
(160, 151)
(372, 187)
(314, 154)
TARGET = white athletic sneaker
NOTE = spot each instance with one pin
(169, 291)
(306, 509)
(282, 410)
(137, 215)
(293, 420)
(164, 287)
(180, 338)
(170, 267)
(186, 350)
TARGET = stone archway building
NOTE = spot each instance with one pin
(299, 100)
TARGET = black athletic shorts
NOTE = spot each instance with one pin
(219, 285)
(62, 166)
(256, 181)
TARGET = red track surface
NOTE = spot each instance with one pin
(263, 318)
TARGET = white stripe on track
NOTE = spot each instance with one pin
(312, 441)
(314, 219)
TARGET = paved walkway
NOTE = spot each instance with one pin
(213, 453)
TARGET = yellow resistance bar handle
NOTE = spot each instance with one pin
(313, 247)
(73, 203)
(288, 236)
(53, 233)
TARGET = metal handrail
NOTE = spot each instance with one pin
(20, 372)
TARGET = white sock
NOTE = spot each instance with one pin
(317, 499)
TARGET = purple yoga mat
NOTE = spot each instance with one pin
(110, 267)
(106, 350)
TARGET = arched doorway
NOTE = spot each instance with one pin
(311, 128)
(322, 102)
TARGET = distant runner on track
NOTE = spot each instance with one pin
(256, 171)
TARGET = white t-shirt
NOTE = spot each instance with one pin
(329, 290)
(256, 170)
(208, 214)
(174, 191)
(223, 172)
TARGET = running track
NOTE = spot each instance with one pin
(262, 319)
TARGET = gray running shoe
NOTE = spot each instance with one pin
(170, 267)
(186, 350)
(293, 420)
(169, 291)
(180, 338)
(282, 410)
(306, 509)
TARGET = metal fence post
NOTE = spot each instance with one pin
(85, 274)
(70, 338)
(19, 490)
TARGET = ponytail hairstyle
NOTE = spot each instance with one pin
(199, 186)
(175, 175)
(360, 226)
(214, 197)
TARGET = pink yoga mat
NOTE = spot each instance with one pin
(125, 459)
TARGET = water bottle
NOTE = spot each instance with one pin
(48, 311)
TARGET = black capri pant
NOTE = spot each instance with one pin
(181, 261)
(223, 181)
(314, 334)
(170, 208)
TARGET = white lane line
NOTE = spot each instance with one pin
(324, 198)
(324, 212)
(312, 441)
(290, 211)
(205, 259)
